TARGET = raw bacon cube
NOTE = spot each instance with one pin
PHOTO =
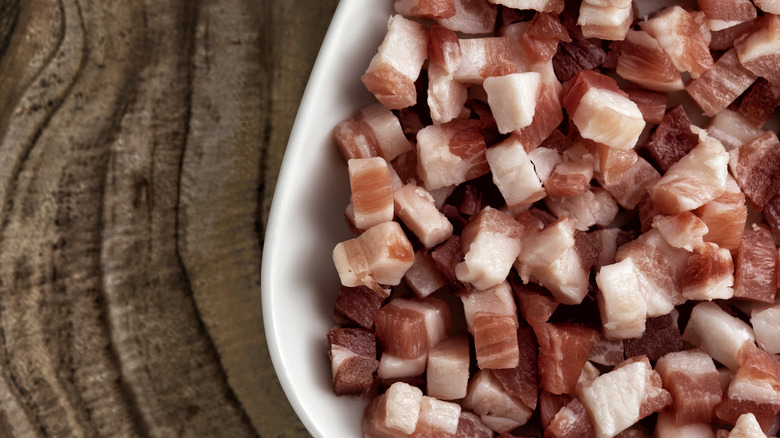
(471, 17)
(732, 130)
(571, 421)
(539, 42)
(496, 300)
(661, 336)
(684, 36)
(437, 418)
(553, 6)
(682, 230)
(756, 167)
(594, 207)
(393, 368)
(514, 174)
(450, 153)
(522, 381)
(612, 162)
(667, 427)
(512, 99)
(766, 325)
(394, 413)
(495, 340)
(401, 330)
(373, 132)
(622, 305)
(759, 102)
(652, 104)
(446, 256)
(759, 50)
(691, 378)
(536, 304)
(394, 69)
(497, 409)
(548, 114)
(755, 388)
(357, 305)
(415, 207)
(571, 177)
(718, 333)
(563, 351)
(381, 255)
(425, 8)
(623, 396)
(722, 15)
(608, 22)
(446, 97)
(484, 57)
(491, 243)
(709, 275)
(632, 184)
(694, 180)
(580, 54)
(423, 277)
(756, 266)
(447, 372)
(601, 111)
(352, 352)
(725, 217)
(470, 425)
(372, 191)
(771, 6)
(724, 39)
(672, 139)
(719, 86)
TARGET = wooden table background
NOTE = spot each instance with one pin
(140, 142)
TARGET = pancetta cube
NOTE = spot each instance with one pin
(437, 418)
(621, 303)
(719, 86)
(612, 162)
(571, 421)
(632, 184)
(484, 57)
(661, 336)
(563, 351)
(512, 99)
(732, 130)
(356, 305)
(766, 325)
(415, 207)
(759, 50)
(472, 17)
(672, 139)
(755, 388)
(470, 425)
(372, 191)
(450, 153)
(717, 333)
(594, 207)
(447, 372)
(666, 426)
(497, 300)
(725, 217)
(423, 277)
(652, 104)
(514, 173)
(692, 379)
(684, 36)
(709, 274)
(446, 96)
(539, 40)
(571, 177)
(756, 266)
(397, 64)
(394, 413)
(373, 132)
(352, 352)
(722, 15)
(553, 6)
(608, 22)
(548, 114)
(758, 103)
(522, 381)
(497, 409)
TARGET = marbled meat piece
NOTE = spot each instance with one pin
(709, 274)
(397, 64)
(732, 130)
(416, 208)
(672, 139)
(470, 425)
(484, 57)
(394, 413)
(618, 399)
(724, 14)
(539, 42)
(496, 300)
(446, 97)
(684, 36)
(719, 86)
(514, 173)
(447, 371)
(607, 22)
(423, 277)
(651, 104)
(571, 421)
(661, 336)
(756, 266)
(512, 99)
(563, 350)
(522, 381)
(725, 217)
(609, 352)
(746, 426)
(550, 404)
(495, 340)
(373, 132)
(622, 305)
(755, 388)
(450, 153)
(356, 305)
(430, 9)
(471, 17)
(682, 230)
(446, 256)
(437, 418)
(535, 303)
(759, 50)
(756, 167)
(498, 409)
(717, 333)
(372, 191)
(547, 115)
(695, 179)
(572, 176)
(724, 39)
(766, 325)
(352, 352)
(759, 102)
(666, 426)
(613, 162)
(594, 207)
(580, 54)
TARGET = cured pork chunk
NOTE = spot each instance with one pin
(608, 22)
(372, 191)
(580, 54)
(447, 372)
(352, 352)
(394, 413)
(484, 57)
(416, 208)
(548, 114)
(450, 153)
(651, 104)
(666, 426)
(732, 130)
(612, 162)
(618, 399)
(571, 177)
(539, 41)
(373, 132)
(683, 230)
(431, 9)
(684, 36)
(394, 69)
(694, 180)
(512, 99)
(756, 167)
(766, 325)
(498, 409)
(491, 317)
(549, 257)
(471, 17)
(759, 51)
(522, 381)
(709, 274)
(719, 86)
(601, 111)
(408, 328)
(755, 388)
(594, 207)
(491, 243)
(756, 266)
(553, 6)
(632, 184)
(717, 333)
(356, 305)
(759, 102)
(423, 277)
(725, 217)
(672, 139)
(536, 304)
(661, 336)
(621, 304)
(692, 379)
(721, 15)
(571, 421)
(446, 97)
(514, 174)
(563, 351)
(379, 256)
(437, 418)
(496, 300)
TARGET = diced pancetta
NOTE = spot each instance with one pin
(652, 104)
(512, 99)
(621, 304)
(661, 337)
(497, 300)
(758, 103)
(608, 22)
(423, 277)
(372, 191)
(450, 153)
(709, 274)
(425, 8)
(759, 50)
(356, 305)
(672, 139)
(497, 409)
(352, 352)
(437, 418)
(416, 209)
(373, 132)
(717, 333)
(484, 57)
(553, 6)
(755, 388)
(394, 413)
(632, 184)
(666, 426)
(732, 130)
(571, 421)
(756, 168)
(471, 17)
(682, 230)
(594, 207)
(721, 15)
(692, 379)
(766, 325)
(725, 217)
(684, 36)
(563, 351)
(719, 86)
(580, 54)
(447, 371)
(755, 276)
(571, 177)
(514, 174)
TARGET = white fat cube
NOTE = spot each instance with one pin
(403, 407)
(621, 303)
(512, 99)
(447, 373)
(766, 325)
(417, 210)
(607, 117)
(514, 173)
(718, 333)
(499, 410)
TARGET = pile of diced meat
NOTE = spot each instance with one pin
(546, 244)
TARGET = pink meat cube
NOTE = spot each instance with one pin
(471, 17)
(447, 372)
(496, 300)
(612, 162)
(608, 352)
(622, 305)
(356, 305)
(372, 191)
(672, 139)
(522, 381)
(571, 177)
(594, 207)
(547, 116)
(719, 86)
(401, 331)
(759, 102)
(425, 8)
(450, 153)
(632, 183)
(759, 50)
(756, 266)
(352, 352)
(755, 388)
(667, 426)
(394, 413)
(652, 104)
(446, 97)
(484, 57)
(691, 378)
(608, 22)
(536, 304)
(498, 409)
(539, 41)
(580, 54)
(732, 130)
(563, 350)
(721, 15)
(766, 325)
(416, 208)
(756, 167)
(717, 333)
(514, 173)
(423, 277)
(709, 274)
(373, 132)
(725, 217)
(495, 341)
(684, 36)
(694, 180)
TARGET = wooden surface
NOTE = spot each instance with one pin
(139, 145)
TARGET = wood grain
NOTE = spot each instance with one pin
(139, 145)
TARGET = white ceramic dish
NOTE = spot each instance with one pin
(299, 282)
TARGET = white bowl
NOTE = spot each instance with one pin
(299, 281)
